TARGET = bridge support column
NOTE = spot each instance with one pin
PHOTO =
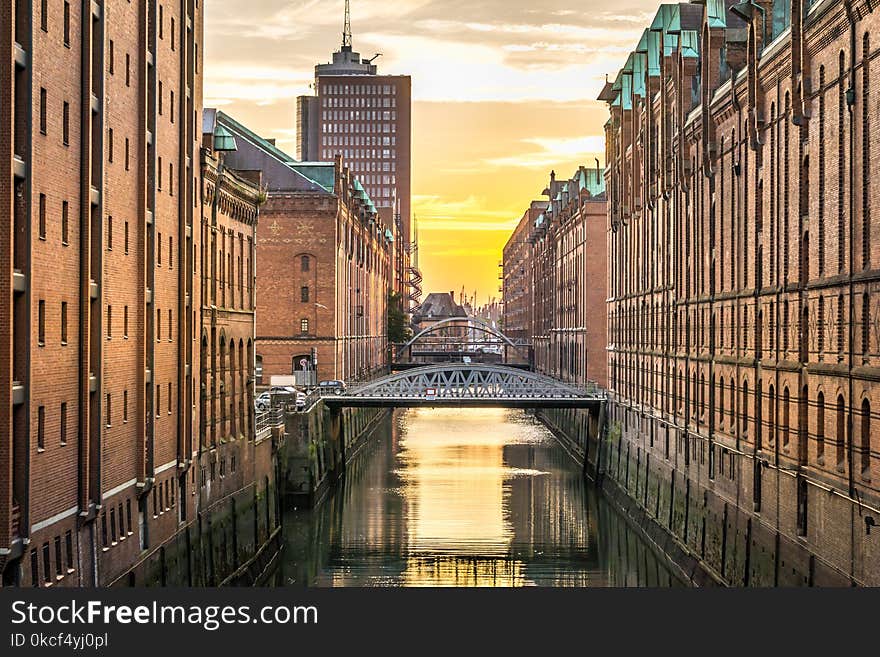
(336, 435)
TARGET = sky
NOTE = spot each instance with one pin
(503, 92)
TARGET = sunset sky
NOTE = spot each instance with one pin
(503, 92)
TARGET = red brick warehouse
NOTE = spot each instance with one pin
(743, 250)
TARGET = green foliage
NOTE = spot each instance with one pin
(398, 331)
(614, 432)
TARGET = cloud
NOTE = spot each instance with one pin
(552, 150)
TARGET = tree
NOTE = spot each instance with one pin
(398, 331)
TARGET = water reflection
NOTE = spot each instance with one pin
(444, 497)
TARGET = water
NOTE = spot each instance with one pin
(451, 497)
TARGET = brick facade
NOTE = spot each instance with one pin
(101, 360)
(743, 258)
(555, 277)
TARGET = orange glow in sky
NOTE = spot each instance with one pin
(503, 92)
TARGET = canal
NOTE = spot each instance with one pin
(452, 497)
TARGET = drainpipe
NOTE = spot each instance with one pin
(850, 103)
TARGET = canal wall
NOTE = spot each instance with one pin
(709, 525)
(235, 535)
(321, 442)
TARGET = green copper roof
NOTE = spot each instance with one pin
(690, 43)
(654, 54)
(639, 81)
(715, 13)
(322, 173)
(590, 179)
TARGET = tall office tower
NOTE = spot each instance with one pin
(99, 157)
(365, 117)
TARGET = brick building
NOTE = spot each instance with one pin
(366, 118)
(555, 279)
(743, 252)
(326, 266)
(99, 322)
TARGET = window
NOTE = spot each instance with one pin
(171, 107)
(109, 322)
(172, 33)
(43, 111)
(110, 56)
(159, 174)
(841, 432)
(161, 22)
(44, 15)
(159, 249)
(63, 323)
(67, 24)
(304, 326)
(125, 322)
(64, 222)
(125, 406)
(42, 216)
(109, 233)
(110, 145)
(41, 428)
(35, 568)
(108, 411)
(63, 421)
(170, 325)
(127, 70)
(113, 526)
(46, 563)
(68, 548)
(820, 427)
(65, 124)
(126, 238)
(304, 294)
(128, 515)
(158, 400)
(158, 325)
(305, 263)
(170, 253)
(161, 98)
(41, 323)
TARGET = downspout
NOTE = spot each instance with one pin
(850, 102)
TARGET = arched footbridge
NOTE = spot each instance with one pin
(468, 385)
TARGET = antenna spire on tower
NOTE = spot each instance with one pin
(346, 31)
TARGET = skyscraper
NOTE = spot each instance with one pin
(365, 117)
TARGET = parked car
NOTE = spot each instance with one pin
(263, 402)
(332, 387)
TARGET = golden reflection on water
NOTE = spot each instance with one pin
(446, 497)
(453, 473)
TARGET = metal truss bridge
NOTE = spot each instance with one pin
(468, 385)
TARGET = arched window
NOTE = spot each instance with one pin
(866, 326)
(841, 432)
(721, 402)
(821, 327)
(771, 411)
(820, 427)
(786, 191)
(866, 439)
(786, 417)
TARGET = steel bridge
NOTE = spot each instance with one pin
(468, 385)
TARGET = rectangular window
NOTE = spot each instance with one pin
(121, 523)
(169, 398)
(113, 525)
(58, 556)
(172, 33)
(63, 423)
(35, 568)
(126, 238)
(109, 322)
(43, 110)
(63, 322)
(44, 15)
(68, 547)
(159, 172)
(158, 324)
(171, 108)
(67, 24)
(108, 411)
(109, 233)
(124, 406)
(158, 400)
(125, 322)
(161, 21)
(42, 216)
(170, 325)
(128, 515)
(41, 323)
(159, 248)
(47, 576)
(104, 530)
(304, 294)
(65, 208)
(304, 326)
(110, 56)
(65, 124)
(161, 98)
(41, 428)
(127, 153)
(110, 145)
(170, 253)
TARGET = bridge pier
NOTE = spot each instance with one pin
(336, 436)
